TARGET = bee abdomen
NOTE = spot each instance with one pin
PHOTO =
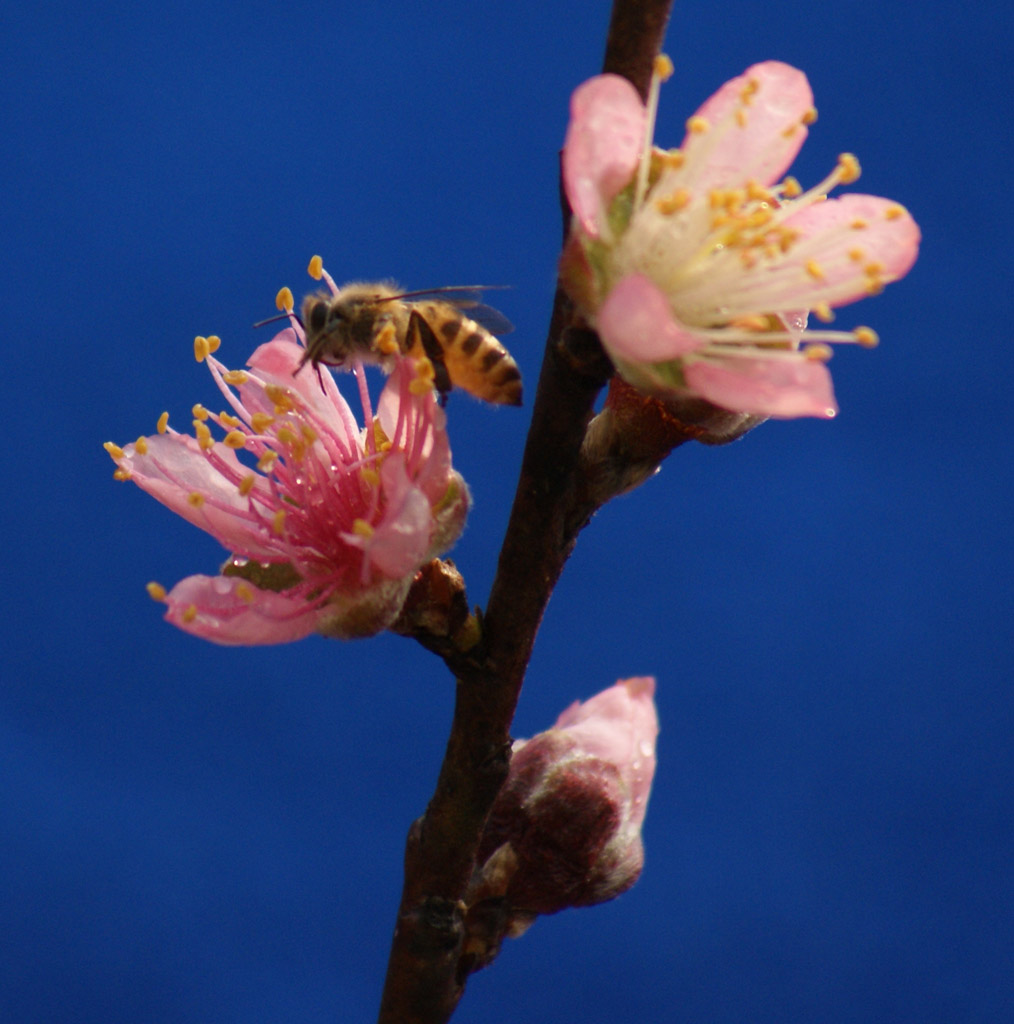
(478, 363)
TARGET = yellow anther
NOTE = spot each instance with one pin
(894, 211)
(235, 439)
(740, 117)
(229, 420)
(813, 269)
(201, 348)
(823, 312)
(121, 474)
(386, 340)
(370, 476)
(874, 286)
(280, 397)
(201, 430)
(424, 369)
(199, 412)
(316, 268)
(114, 450)
(857, 255)
(309, 434)
(662, 68)
(873, 269)
(155, 591)
(749, 90)
(235, 377)
(757, 192)
(245, 592)
(750, 323)
(818, 353)
(284, 300)
(848, 168)
(266, 461)
(260, 421)
(195, 499)
(698, 125)
(362, 528)
(734, 199)
(866, 336)
(716, 198)
(286, 435)
(859, 224)
(278, 521)
(141, 446)
(791, 188)
(679, 200)
(787, 133)
(163, 422)
(787, 238)
(674, 159)
(810, 116)
(214, 342)
(418, 386)
(190, 613)
(246, 485)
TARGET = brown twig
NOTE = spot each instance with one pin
(424, 977)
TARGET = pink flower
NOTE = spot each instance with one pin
(328, 523)
(698, 267)
(565, 830)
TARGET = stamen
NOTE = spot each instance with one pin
(121, 474)
(679, 200)
(284, 300)
(163, 422)
(190, 614)
(278, 521)
(199, 412)
(848, 168)
(362, 528)
(316, 268)
(866, 336)
(246, 485)
(823, 312)
(195, 499)
(791, 187)
(214, 342)
(235, 378)
(141, 446)
(201, 348)
(114, 450)
(260, 421)
(267, 461)
(661, 70)
(818, 353)
(245, 592)
(156, 591)
(235, 439)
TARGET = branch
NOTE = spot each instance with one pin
(425, 978)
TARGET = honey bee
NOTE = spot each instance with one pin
(450, 326)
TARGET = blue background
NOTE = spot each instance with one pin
(197, 834)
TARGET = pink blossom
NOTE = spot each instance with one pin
(327, 522)
(568, 820)
(698, 266)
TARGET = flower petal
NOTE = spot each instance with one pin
(767, 141)
(636, 323)
(856, 241)
(228, 610)
(784, 388)
(602, 147)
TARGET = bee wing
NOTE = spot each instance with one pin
(466, 298)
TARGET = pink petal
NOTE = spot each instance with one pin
(175, 468)
(211, 607)
(766, 387)
(636, 324)
(830, 233)
(765, 146)
(619, 725)
(602, 147)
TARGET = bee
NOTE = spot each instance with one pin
(450, 326)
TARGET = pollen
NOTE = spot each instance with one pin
(866, 336)
(791, 188)
(195, 499)
(823, 312)
(280, 397)
(679, 200)
(418, 386)
(698, 125)
(114, 450)
(818, 353)
(859, 224)
(814, 270)
(155, 591)
(386, 340)
(203, 435)
(199, 412)
(266, 461)
(663, 67)
(163, 423)
(316, 268)
(235, 439)
(190, 613)
(121, 474)
(278, 521)
(284, 300)
(286, 435)
(214, 342)
(201, 348)
(260, 421)
(141, 446)
(229, 420)
(235, 377)
(848, 168)
(246, 485)
(361, 528)
(857, 255)
(894, 212)
(810, 117)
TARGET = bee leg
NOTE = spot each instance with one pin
(421, 334)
